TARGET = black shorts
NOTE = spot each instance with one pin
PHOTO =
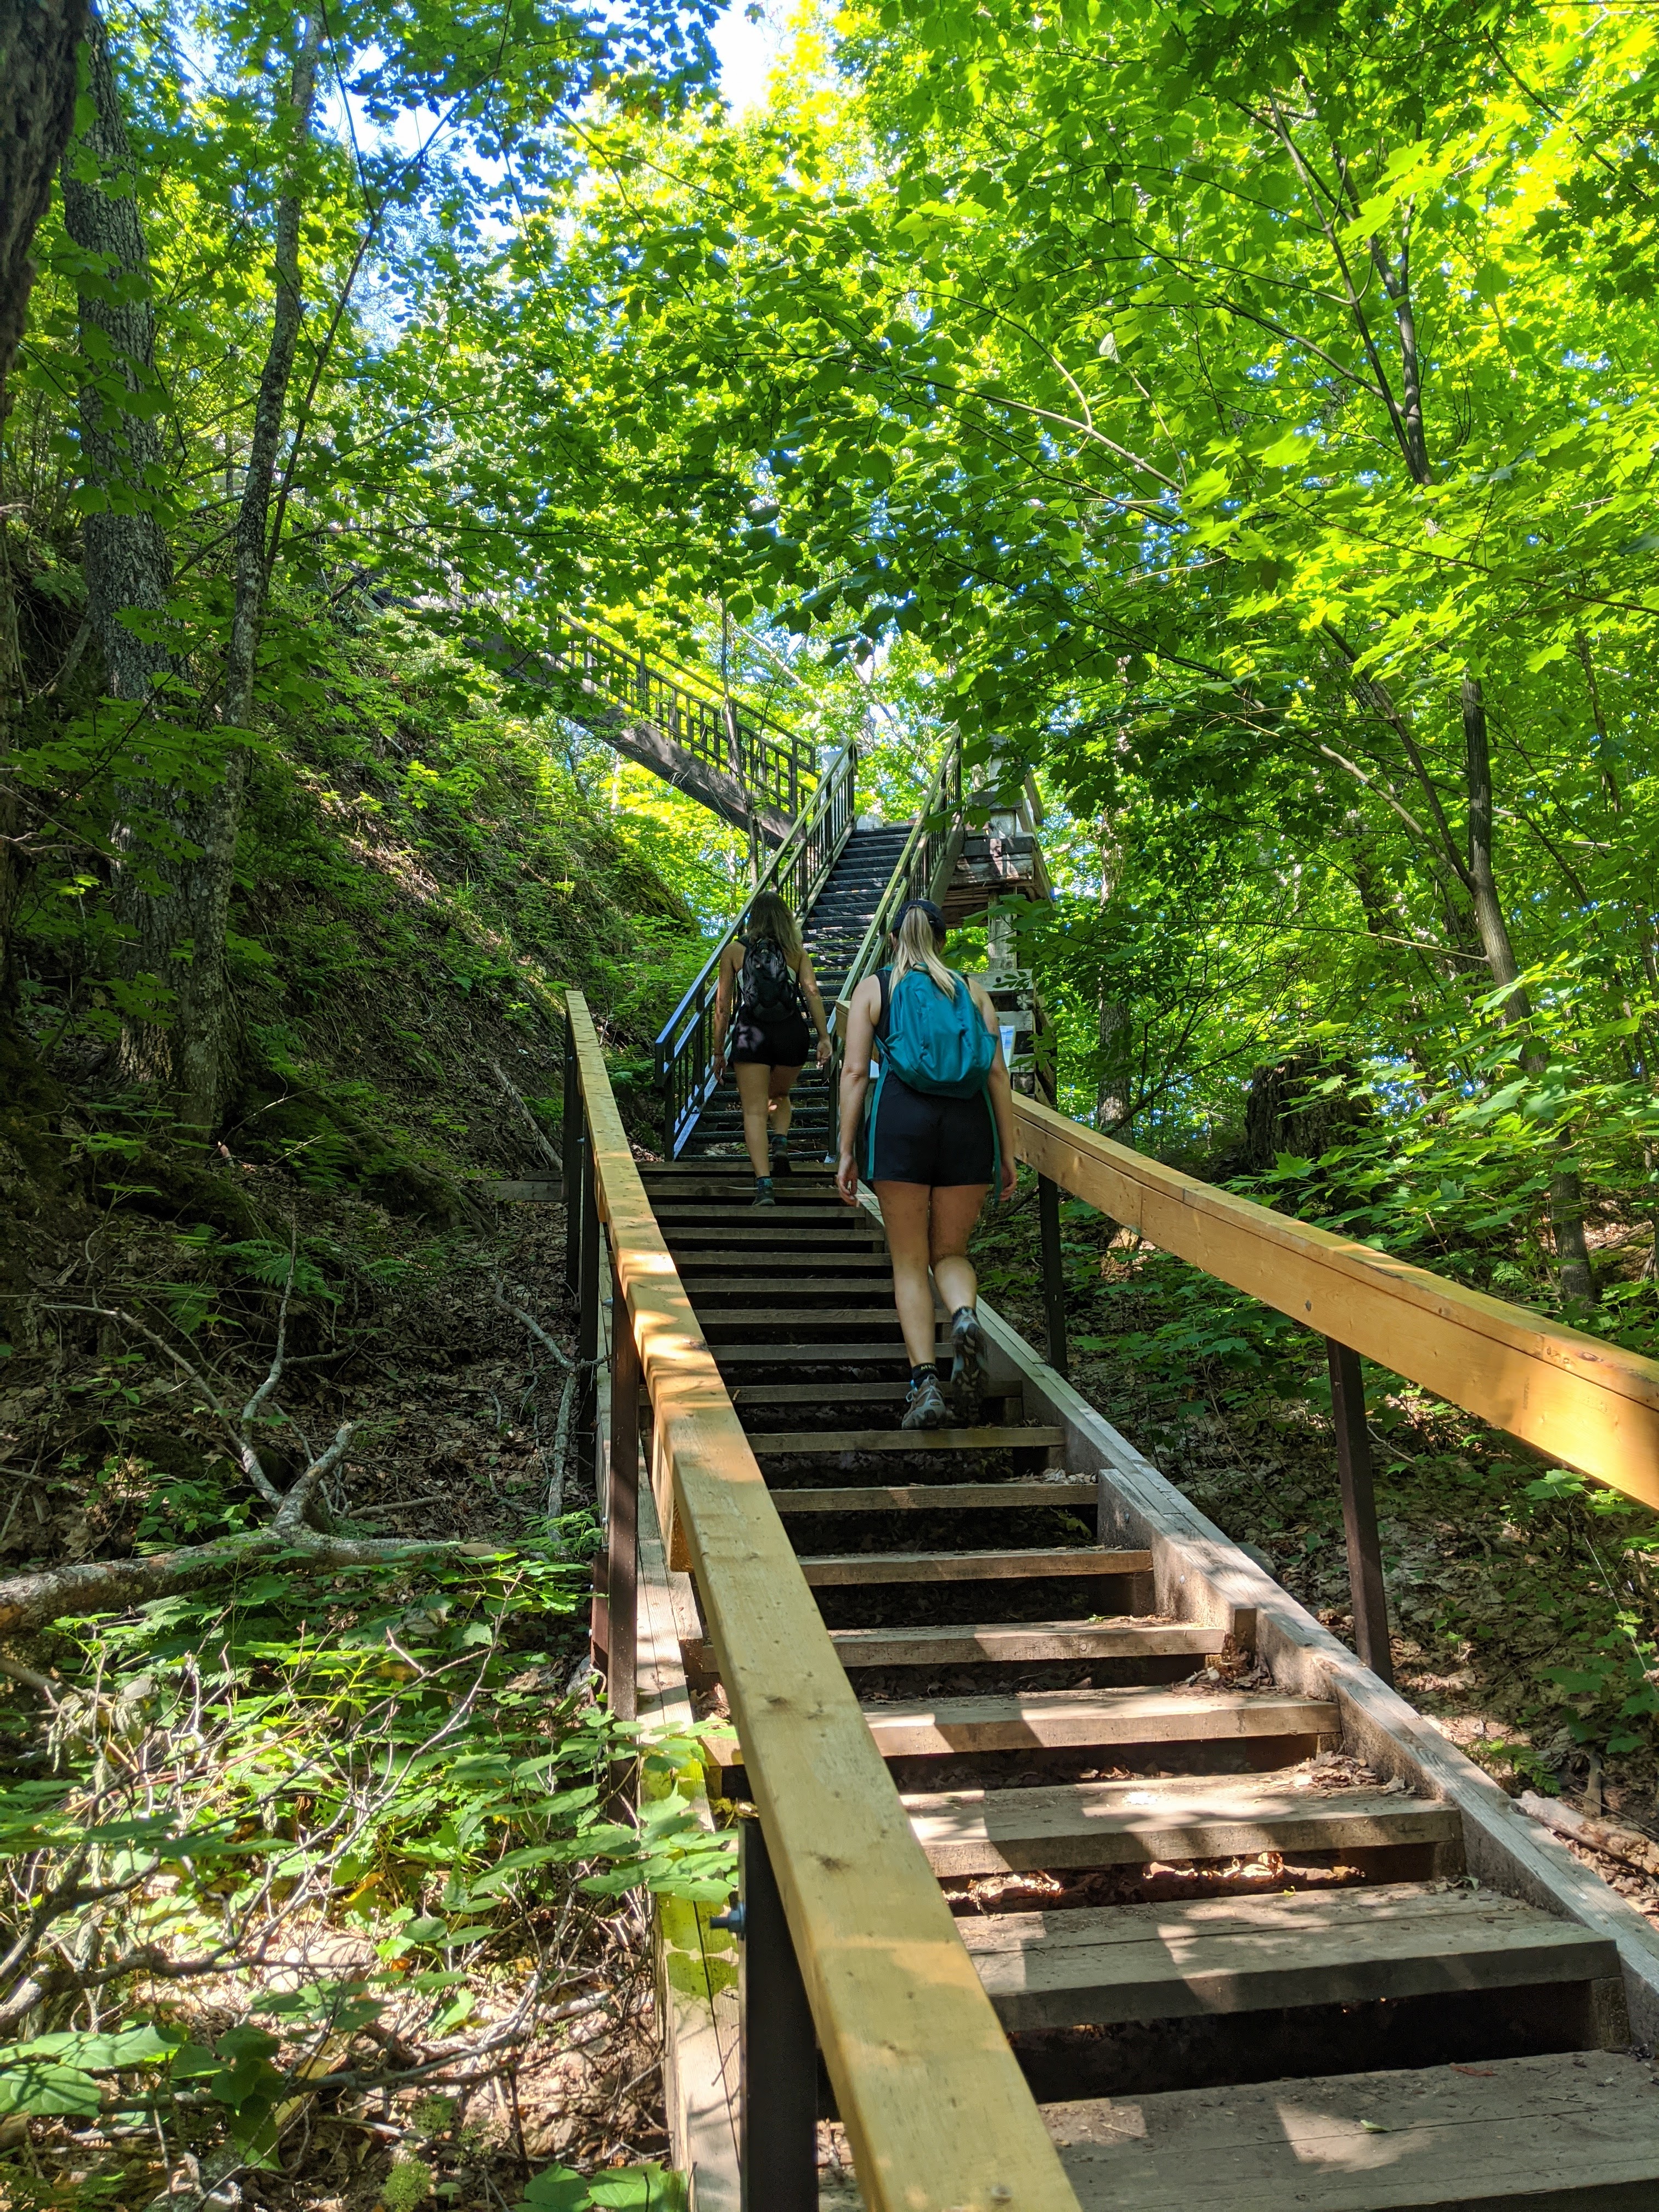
(915, 1136)
(787, 1045)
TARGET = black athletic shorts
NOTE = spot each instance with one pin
(915, 1136)
(788, 1044)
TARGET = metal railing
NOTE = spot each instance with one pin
(848, 1939)
(773, 764)
(797, 871)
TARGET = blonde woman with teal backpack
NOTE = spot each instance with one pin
(939, 1132)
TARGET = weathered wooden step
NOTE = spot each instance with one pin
(1099, 1824)
(1056, 1720)
(830, 1569)
(1556, 2134)
(829, 1393)
(813, 1201)
(790, 1441)
(934, 1497)
(841, 1265)
(820, 1355)
(795, 1294)
(866, 1318)
(1232, 1954)
(813, 1236)
(1024, 1643)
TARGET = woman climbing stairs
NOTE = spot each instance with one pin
(833, 928)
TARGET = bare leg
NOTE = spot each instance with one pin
(754, 1088)
(783, 1106)
(904, 1207)
(956, 1209)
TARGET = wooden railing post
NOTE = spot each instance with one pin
(1353, 1459)
(622, 1505)
(779, 2152)
(574, 1148)
(587, 1310)
(1054, 1271)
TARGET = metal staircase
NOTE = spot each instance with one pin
(751, 771)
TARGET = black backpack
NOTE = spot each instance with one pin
(770, 994)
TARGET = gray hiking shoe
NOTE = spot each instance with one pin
(764, 1195)
(925, 1407)
(967, 1358)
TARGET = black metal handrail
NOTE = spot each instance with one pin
(771, 762)
(797, 872)
(917, 871)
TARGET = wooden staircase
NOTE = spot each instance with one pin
(833, 927)
(1232, 1962)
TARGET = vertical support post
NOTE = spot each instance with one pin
(574, 1144)
(1353, 1459)
(587, 1313)
(779, 2149)
(1054, 1271)
(622, 1496)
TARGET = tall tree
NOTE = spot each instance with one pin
(38, 44)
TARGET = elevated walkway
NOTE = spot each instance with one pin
(1097, 1872)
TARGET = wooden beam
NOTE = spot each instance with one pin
(931, 2097)
(1586, 1403)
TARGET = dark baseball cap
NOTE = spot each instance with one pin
(920, 905)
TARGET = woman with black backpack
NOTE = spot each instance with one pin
(766, 979)
(939, 1132)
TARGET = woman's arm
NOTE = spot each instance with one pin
(809, 991)
(1001, 1090)
(855, 1081)
(725, 993)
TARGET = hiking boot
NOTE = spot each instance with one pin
(781, 1163)
(925, 1407)
(764, 1192)
(967, 1358)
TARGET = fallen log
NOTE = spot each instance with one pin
(1628, 1844)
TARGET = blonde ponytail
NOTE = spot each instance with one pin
(915, 946)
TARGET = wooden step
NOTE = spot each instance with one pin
(822, 1355)
(1556, 2134)
(793, 1293)
(1057, 1720)
(835, 1568)
(867, 1318)
(835, 1234)
(841, 1265)
(935, 1497)
(829, 1393)
(791, 1441)
(1099, 1824)
(1024, 1643)
(1233, 1954)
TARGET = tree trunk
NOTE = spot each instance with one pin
(204, 1023)
(1566, 1197)
(38, 39)
(125, 557)
(127, 560)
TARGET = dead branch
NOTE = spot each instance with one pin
(544, 1143)
(239, 1433)
(1606, 1836)
(112, 1585)
(529, 1322)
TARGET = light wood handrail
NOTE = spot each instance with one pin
(934, 2104)
(1590, 1404)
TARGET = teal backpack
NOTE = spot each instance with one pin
(938, 1045)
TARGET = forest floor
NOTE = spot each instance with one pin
(456, 1409)
(1522, 1608)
